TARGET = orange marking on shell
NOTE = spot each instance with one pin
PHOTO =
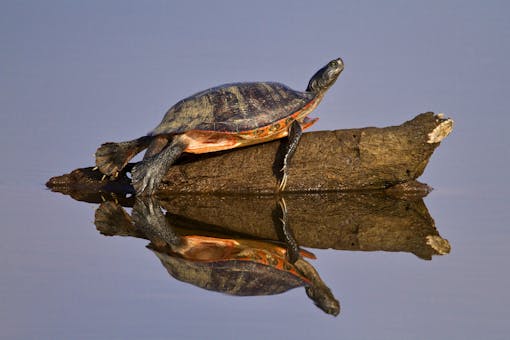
(212, 249)
(209, 141)
(307, 123)
(206, 249)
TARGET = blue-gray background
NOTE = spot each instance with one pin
(74, 74)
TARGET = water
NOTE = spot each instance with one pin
(78, 74)
(67, 280)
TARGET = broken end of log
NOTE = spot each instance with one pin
(442, 130)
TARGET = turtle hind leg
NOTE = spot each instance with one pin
(113, 157)
(147, 175)
(150, 220)
(157, 144)
(293, 138)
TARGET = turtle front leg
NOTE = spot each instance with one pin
(293, 138)
(286, 232)
(147, 175)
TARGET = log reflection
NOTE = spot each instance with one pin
(342, 221)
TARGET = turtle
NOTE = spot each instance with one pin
(221, 118)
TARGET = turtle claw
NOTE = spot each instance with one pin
(283, 183)
(283, 180)
(138, 180)
(95, 168)
(283, 208)
(112, 177)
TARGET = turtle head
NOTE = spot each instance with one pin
(324, 299)
(326, 76)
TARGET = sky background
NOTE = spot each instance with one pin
(75, 74)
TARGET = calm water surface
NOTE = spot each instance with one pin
(66, 280)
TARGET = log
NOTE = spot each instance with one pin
(341, 160)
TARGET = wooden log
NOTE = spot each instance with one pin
(342, 160)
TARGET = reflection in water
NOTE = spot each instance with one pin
(223, 263)
(343, 221)
(248, 245)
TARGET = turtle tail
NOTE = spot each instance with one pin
(113, 157)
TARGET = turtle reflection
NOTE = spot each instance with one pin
(233, 265)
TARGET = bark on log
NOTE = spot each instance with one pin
(352, 159)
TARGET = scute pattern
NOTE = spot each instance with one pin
(233, 108)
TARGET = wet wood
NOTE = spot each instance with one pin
(352, 159)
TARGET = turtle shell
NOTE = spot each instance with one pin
(234, 108)
(241, 278)
(235, 267)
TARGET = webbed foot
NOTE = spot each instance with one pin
(111, 158)
(146, 177)
(150, 219)
(148, 174)
(111, 219)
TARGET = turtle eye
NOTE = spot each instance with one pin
(333, 63)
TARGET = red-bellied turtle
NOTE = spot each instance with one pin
(221, 118)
